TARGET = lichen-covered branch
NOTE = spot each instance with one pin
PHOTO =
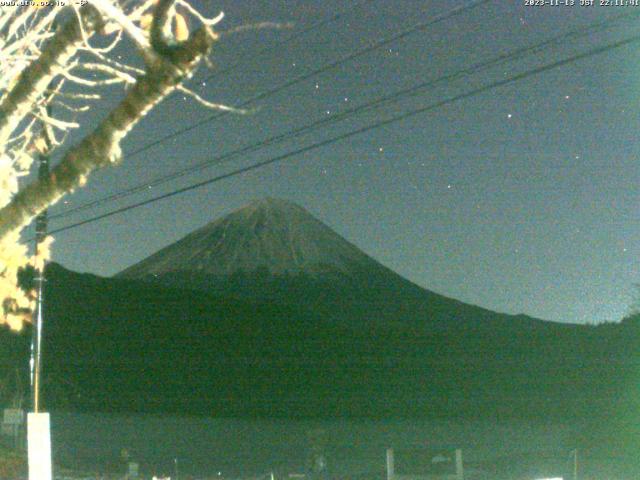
(36, 78)
(102, 146)
(36, 62)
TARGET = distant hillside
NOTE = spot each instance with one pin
(267, 312)
(121, 345)
(274, 250)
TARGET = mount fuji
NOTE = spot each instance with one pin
(269, 312)
(275, 250)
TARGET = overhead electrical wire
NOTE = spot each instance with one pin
(408, 114)
(295, 35)
(315, 26)
(394, 97)
(370, 47)
(324, 68)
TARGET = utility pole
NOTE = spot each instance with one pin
(39, 423)
(41, 234)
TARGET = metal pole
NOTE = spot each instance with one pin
(41, 234)
(39, 424)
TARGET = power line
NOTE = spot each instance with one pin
(364, 129)
(315, 26)
(396, 96)
(301, 78)
(372, 46)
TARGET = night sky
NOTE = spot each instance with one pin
(521, 199)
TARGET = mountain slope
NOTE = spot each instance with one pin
(131, 346)
(268, 312)
(327, 332)
(274, 250)
(270, 234)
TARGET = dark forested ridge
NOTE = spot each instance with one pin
(304, 324)
(122, 345)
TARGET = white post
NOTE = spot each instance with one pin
(39, 446)
(459, 468)
(390, 468)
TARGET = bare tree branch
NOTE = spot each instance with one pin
(102, 147)
(35, 79)
(208, 104)
(32, 55)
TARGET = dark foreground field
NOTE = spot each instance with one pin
(131, 348)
